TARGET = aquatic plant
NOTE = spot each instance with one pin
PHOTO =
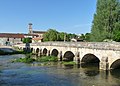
(26, 59)
(68, 63)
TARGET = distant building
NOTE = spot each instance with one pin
(40, 34)
(10, 38)
(13, 38)
(16, 38)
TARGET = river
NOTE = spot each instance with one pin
(55, 74)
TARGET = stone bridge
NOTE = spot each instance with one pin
(105, 53)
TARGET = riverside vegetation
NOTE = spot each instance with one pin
(29, 59)
(43, 59)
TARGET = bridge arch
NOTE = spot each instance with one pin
(68, 56)
(37, 50)
(45, 51)
(31, 50)
(54, 52)
(115, 64)
(90, 58)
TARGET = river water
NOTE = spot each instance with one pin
(55, 74)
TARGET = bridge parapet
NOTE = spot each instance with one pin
(91, 45)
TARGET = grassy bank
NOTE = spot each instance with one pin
(69, 63)
(29, 59)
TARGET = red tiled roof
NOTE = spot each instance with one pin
(11, 35)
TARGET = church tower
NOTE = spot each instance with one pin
(30, 28)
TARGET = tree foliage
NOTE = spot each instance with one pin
(106, 20)
(53, 35)
(27, 40)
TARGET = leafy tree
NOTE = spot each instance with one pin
(51, 35)
(87, 37)
(117, 36)
(27, 40)
(82, 36)
(62, 36)
(106, 20)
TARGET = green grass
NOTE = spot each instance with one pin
(69, 63)
(27, 59)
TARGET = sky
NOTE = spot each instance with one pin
(71, 16)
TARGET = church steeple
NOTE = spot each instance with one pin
(30, 28)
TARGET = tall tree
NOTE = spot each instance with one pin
(51, 35)
(106, 20)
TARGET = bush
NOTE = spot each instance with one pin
(27, 59)
(27, 40)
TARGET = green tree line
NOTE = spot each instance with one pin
(106, 23)
(53, 35)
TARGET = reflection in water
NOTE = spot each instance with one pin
(92, 68)
(115, 73)
(90, 65)
(91, 73)
(54, 74)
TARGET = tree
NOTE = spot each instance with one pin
(51, 35)
(87, 37)
(106, 20)
(117, 37)
(27, 40)
(62, 36)
(82, 37)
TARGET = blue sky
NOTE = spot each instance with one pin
(72, 16)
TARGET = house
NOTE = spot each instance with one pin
(10, 38)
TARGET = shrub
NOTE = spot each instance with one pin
(27, 59)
